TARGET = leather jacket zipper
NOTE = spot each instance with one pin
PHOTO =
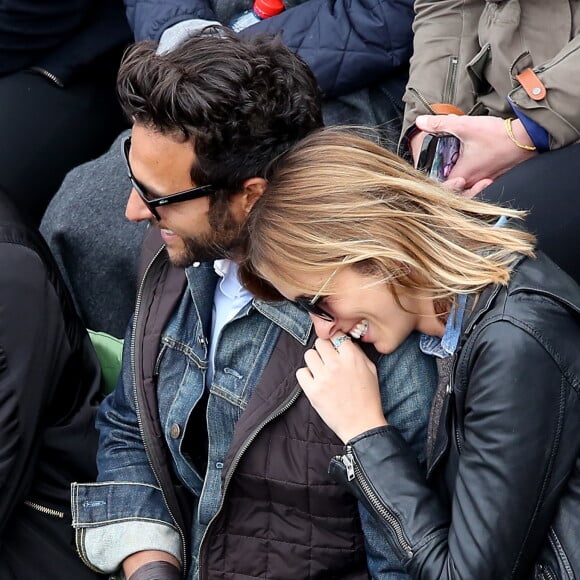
(238, 456)
(449, 392)
(134, 334)
(353, 471)
(44, 510)
(545, 573)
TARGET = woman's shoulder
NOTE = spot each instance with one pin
(540, 276)
(541, 304)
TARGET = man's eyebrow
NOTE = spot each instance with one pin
(149, 191)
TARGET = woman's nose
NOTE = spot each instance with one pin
(324, 328)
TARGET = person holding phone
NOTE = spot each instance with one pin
(375, 251)
(439, 154)
(501, 65)
(501, 76)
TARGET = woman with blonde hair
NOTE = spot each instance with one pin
(374, 251)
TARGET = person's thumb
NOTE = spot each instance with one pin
(455, 184)
(435, 123)
(478, 187)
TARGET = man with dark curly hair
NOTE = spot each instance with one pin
(211, 462)
(359, 52)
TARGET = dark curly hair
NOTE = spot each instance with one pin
(240, 100)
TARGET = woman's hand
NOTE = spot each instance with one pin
(341, 384)
(486, 152)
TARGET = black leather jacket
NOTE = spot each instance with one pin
(49, 391)
(502, 497)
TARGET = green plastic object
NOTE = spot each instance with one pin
(109, 351)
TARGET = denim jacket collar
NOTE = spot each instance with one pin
(287, 316)
(201, 281)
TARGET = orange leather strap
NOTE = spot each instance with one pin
(533, 86)
(446, 109)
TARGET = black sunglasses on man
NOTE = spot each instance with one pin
(153, 202)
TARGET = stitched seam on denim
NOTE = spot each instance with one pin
(228, 396)
(185, 349)
(107, 483)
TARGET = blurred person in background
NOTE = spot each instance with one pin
(49, 392)
(58, 65)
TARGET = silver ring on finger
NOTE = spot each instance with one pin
(338, 340)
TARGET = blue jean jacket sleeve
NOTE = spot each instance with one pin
(124, 512)
(408, 379)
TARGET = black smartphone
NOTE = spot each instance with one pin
(439, 153)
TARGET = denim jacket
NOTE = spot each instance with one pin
(128, 509)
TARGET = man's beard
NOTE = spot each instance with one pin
(224, 240)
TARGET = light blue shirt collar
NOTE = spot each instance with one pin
(446, 345)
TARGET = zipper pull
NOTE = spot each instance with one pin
(347, 461)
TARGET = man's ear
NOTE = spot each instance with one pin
(252, 190)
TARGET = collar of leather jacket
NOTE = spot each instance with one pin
(528, 275)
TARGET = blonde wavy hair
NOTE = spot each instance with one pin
(337, 199)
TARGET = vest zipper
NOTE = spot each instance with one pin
(138, 413)
(237, 457)
(353, 471)
(44, 510)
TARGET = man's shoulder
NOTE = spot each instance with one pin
(408, 369)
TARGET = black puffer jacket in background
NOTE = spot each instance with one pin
(59, 36)
(506, 456)
(348, 44)
(49, 389)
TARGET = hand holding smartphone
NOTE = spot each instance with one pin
(439, 153)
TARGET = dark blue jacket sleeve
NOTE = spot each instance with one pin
(349, 44)
(149, 18)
